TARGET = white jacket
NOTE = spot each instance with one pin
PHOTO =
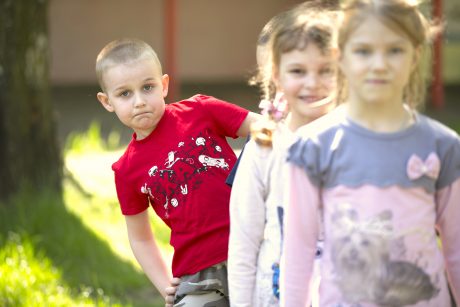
(255, 233)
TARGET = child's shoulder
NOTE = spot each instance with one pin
(200, 98)
(194, 102)
(324, 124)
(437, 128)
(121, 161)
(446, 138)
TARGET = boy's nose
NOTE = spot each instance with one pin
(139, 100)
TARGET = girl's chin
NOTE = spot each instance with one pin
(312, 113)
(318, 103)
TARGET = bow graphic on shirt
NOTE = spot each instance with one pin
(417, 168)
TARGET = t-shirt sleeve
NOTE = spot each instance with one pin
(304, 153)
(226, 116)
(131, 201)
(450, 167)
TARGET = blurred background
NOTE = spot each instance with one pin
(205, 46)
(62, 237)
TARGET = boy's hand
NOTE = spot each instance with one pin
(171, 291)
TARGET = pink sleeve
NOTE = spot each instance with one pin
(301, 233)
(448, 222)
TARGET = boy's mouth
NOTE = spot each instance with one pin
(140, 114)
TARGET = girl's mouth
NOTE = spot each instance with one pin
(310, 99)
(377, 81)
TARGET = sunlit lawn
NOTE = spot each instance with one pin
(73, 251)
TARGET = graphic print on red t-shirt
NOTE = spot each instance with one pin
(170, 183)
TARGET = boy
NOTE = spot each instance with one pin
(177, 162)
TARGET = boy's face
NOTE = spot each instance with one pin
(135, 91)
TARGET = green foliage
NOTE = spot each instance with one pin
(28, 278)
(54, 236)
(88, 164)
(73, 251)
(92, 141)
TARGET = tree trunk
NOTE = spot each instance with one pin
(29, 151)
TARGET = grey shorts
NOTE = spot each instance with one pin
(207, 288)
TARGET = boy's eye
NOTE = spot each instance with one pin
(124, 93)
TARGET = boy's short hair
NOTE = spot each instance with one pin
(122, 51)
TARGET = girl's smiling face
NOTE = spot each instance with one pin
(305, 77)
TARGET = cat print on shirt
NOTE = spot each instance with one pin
(364, 271)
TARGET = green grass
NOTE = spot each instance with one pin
(28, 278)
(72, 250)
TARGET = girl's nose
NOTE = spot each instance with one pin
(380, 61)
(311, 80)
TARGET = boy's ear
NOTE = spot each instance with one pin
(165, 83)
(104, 100)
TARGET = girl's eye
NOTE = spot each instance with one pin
(362, 51)
(326, 71)
(297, 71)
(148, 87)
(396, 50)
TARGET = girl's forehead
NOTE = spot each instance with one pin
(372, 30)
(311, 53)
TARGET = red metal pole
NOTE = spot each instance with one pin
(437, 89)
(170, 45)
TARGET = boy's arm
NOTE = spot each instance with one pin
(146, 251)
(245, 127)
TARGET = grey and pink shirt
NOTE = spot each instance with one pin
(384, 198)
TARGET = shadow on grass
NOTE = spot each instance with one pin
(86, 262)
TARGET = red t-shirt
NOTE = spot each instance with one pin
(180, 169)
